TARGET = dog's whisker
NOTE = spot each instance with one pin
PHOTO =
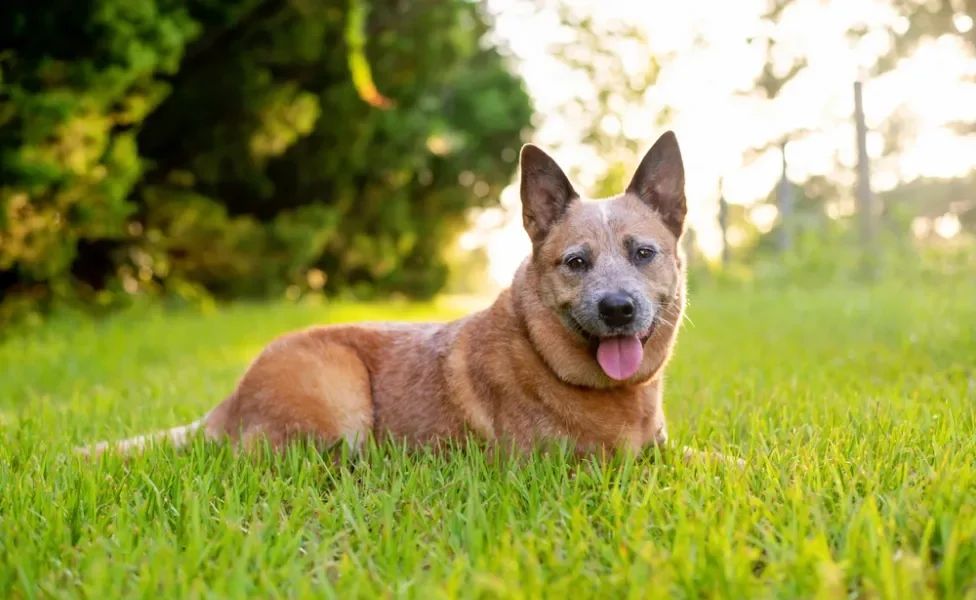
(670, 308)
(669, 323)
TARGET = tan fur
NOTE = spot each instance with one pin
(512, 372)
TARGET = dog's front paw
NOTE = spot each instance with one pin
(690, 455)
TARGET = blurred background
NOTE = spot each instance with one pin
(191, 151)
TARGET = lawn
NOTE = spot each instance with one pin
(854, 409)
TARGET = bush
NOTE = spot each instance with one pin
(197, 148)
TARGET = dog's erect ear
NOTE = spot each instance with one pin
(660, 182)
(546, 192)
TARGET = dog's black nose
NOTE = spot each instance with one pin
(617, 310)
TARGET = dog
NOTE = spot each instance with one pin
(573, 351)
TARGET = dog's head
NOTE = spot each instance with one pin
(609, 270)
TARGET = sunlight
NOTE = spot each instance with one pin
(947, 226)
(716, 124)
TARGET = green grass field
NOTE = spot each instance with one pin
(854, 409)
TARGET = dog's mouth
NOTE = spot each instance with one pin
(620, 356)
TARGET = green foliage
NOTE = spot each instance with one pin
(926, 20)
(193, 147)
(596, 50)
(828, 245)
(934, 197)
(853, 408)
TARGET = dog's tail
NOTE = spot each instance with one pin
(177, 437)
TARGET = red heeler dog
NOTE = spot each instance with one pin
(573, 352)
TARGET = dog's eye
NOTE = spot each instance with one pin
(576, 263)
(644, 254)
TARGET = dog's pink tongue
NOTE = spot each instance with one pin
(620, 357)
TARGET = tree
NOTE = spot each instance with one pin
(620, 66)
(178, 145)
(776, 73)
(919, 21)
(916, 23)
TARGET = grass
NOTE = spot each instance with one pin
(854, 408)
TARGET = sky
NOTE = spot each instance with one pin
(716, 123)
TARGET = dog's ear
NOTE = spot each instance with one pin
(546, 192)
(660, 182)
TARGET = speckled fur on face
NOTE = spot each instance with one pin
(607, 232)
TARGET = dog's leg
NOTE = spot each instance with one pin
(303, 386)
(690, 455)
